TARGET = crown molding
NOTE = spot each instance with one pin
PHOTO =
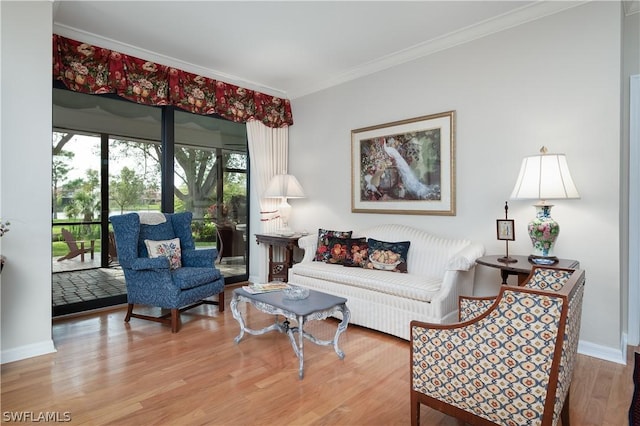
(107, 43)
(522, 15)
(503, 22)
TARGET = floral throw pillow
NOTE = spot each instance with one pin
(387, 256)
(341, 250)
(322, 252)
(357, 253)
(168, 248)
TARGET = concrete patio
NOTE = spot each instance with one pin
(74, 281)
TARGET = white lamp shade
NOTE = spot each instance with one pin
(544, 177)
(284, 186)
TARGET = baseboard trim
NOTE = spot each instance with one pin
(27, 351)
(603, 352)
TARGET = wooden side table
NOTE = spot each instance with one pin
(521, 267)
(279, 270)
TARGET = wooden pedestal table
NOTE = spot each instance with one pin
(521, 267)
(279, 270)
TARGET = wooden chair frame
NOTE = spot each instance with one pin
(74, 250)
(569, 289)
(172, 318)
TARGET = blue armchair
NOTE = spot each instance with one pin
(155, 281)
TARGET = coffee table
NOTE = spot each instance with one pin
(317, 306)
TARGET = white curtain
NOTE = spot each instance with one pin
(268, 154)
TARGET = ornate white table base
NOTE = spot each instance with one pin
(317, 306)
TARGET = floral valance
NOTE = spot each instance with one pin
(95, 70)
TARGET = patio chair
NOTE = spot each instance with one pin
(74, 250)
(162, 267)
(231, 242)
(510, 362)
(113, 253)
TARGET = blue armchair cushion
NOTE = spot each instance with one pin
(167, 248)
(149, 280)
(187, 278)
(162, 231)
(148, 263)
(202, 258)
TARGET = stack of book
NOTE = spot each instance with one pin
(264, 288)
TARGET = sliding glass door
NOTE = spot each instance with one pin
(75, 201)
(107, 159)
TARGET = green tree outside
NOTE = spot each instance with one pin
(127, 189)
(60, 169)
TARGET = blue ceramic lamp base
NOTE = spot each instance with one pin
(543, 231)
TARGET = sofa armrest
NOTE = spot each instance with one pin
(308, 243)
(465, 259)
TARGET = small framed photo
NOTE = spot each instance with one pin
(505, 228)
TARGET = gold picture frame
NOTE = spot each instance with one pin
(405, 167)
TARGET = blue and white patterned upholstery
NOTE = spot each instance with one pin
(541, 278)
(150, 281)
(470, 307)
(511, 362)
(548, 278)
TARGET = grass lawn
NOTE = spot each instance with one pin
(60, 248)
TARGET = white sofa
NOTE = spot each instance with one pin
(438, 271)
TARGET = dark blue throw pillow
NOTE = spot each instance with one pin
(387, 256)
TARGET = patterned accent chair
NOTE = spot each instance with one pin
(510, 361)
(152, 281)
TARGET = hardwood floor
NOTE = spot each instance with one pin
(107, 372)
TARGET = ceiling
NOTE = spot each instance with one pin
(288, 48)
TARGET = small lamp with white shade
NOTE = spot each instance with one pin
(544, 177)
(284, 186)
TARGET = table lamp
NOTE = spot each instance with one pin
(544, 177)
(284, 187)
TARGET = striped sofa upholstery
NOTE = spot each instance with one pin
(439, 270)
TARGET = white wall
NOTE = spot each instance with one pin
(25, 178)
(630, 164)
(553, 82)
